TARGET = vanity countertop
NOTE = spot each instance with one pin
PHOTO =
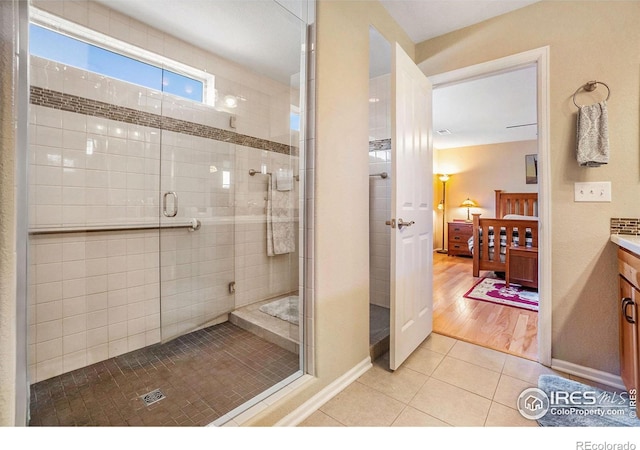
(629, 242)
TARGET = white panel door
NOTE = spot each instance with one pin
(411, 204)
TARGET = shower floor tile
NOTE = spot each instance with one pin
(203, 375)
(379, 323)
(379, 330)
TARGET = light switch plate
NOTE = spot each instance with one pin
(595, 191)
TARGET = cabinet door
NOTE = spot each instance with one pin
(628, 316)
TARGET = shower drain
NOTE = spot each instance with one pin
(152, 397)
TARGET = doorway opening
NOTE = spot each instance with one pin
(401, 231)
(479, 157)
(379, 193)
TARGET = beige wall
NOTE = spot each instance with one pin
(8, 119)
(342, 180)
(342, 188)
(475, 173)
(598, 42)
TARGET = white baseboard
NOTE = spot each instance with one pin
(314, 403)
(588, 373)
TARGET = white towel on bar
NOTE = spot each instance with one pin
(593, 135)
(284, 180)
(280, 229)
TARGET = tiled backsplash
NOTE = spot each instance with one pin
(625, 226)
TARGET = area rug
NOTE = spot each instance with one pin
(585, 406)
(495, 290)
(285, 308)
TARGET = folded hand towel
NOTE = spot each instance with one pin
(284, 180)
(593, 135)
(280, 229)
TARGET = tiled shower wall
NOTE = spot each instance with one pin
(379, 190)
(97, 295)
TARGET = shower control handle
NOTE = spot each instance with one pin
(175, 204)
(402, 223)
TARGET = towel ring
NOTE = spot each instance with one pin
(590, 87)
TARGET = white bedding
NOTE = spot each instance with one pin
(519, 217)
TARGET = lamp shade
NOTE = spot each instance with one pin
(444, 177)
(468, 203)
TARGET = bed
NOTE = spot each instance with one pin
(513, 210)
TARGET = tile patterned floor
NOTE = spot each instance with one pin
(203, 375)
(445, 382)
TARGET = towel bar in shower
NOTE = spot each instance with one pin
(192, 225)
(252, 172)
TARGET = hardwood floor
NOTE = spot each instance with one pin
(504, 328)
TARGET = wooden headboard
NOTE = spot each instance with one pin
(522, 203)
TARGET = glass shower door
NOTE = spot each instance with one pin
(229, 163)
(229, 207)
(196, 261)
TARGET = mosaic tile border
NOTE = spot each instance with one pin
(625, 226)
(382, 144)
(72, 103)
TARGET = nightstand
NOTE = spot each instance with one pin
(459, 234)
(522, 266)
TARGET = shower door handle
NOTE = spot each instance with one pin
(175, 204)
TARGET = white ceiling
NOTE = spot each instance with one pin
(426, 19)
(251, 32)
(495, 109)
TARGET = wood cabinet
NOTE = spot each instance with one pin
(628, 315)
(522, 266)
(629, 280)
(459, 234)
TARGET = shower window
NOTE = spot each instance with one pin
(123, 61)
(58, 47)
